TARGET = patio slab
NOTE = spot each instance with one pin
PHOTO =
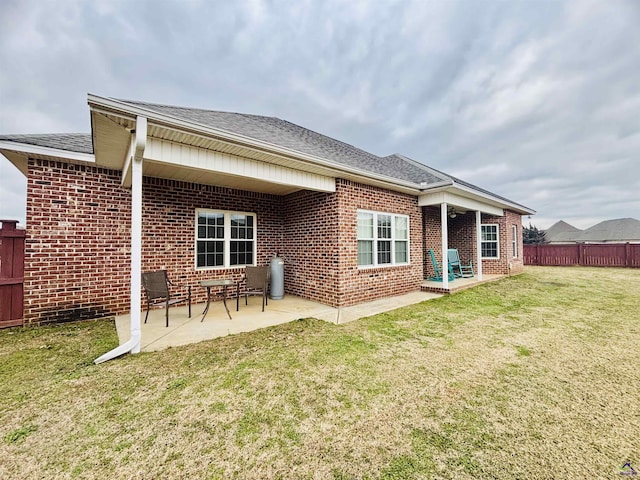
(458, 284)
(183, 330)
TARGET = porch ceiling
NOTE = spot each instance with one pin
(208, 177)
(190, 157)
(111, 134)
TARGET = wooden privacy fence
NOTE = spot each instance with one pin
(587, 254)
(11, 274)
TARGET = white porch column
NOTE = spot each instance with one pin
(479, 243)
(445, 244)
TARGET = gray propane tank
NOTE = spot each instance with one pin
(277, 278)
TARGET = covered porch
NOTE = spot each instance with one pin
(183, 330)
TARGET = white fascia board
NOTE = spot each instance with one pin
(508, 204)
(96, 102)
(448, 197)
(462, 191)
(37, 150)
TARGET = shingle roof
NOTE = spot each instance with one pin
(619, 229)
(73, 142)
(616, 230)
(275, 131)
(289, 135)
(561, 231)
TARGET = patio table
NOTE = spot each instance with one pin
(225, 283)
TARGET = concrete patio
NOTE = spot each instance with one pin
(183, 330)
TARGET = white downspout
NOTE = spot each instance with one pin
(479, 243)
(133, 344)
(445, 244)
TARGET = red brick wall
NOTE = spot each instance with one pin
(432, 238)
(310, 246)
(357, 285)
(462, 236)
(77, 245)
(168, 228)
(501, 265)
(77, 258)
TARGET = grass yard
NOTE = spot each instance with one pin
(534, 376)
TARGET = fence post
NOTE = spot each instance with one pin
(627, 255)
(581, 254)
(11, 274)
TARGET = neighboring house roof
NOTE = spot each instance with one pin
(620, 230)
(280, 133)
(561, 231)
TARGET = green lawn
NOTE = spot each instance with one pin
(534, 376)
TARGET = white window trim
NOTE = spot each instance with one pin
(227, 238)
(497, 257)
(393, 239)
(514, 240)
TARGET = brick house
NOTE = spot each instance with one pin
(203, 193)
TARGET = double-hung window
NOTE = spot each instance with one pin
(225, 239)
(490, 241)
(383, 239)
(514, 240)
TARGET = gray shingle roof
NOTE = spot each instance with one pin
(289, 135)
(616, 230)
(619, 229)
(561, 231)
(274, 131)
(73, 142)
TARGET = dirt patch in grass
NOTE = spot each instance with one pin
(534, 376)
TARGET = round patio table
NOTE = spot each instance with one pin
(225, 283)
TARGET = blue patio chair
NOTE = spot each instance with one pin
(437, 269)
(459, 269)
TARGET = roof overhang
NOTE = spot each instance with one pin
(466, 198)
(189, 151)
(20, 153)
(112, 122)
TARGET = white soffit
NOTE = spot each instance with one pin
(188, 163)
(456, 200)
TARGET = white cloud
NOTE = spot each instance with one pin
(537, 101)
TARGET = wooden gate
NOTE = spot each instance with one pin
(11, 274)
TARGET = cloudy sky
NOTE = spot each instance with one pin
(538, 101)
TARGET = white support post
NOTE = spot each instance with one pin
(445, 244)
(479, 243)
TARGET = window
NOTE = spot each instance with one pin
(383, 239)
(490, 237)
(225, 239)
(514, 240)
